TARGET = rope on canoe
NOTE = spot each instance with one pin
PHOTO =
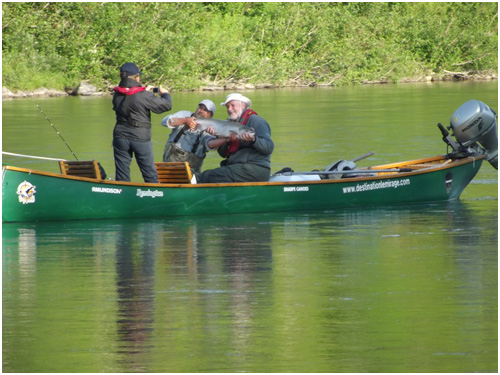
(31, 156)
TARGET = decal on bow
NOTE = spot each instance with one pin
(26, 192)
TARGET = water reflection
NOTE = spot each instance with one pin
(247, 259)
(135, 279)
(271, 292)
(215, 270)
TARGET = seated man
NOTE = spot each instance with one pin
(185, 143)
(249, 158)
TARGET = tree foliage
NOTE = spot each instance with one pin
(188, 45)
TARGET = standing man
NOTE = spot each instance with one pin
(133, 105)
(185, 143)
(249, 158)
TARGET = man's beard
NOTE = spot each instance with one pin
(234, 116)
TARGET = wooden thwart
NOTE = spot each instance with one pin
(174, 172)
(87, 168)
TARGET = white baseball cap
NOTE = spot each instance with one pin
(237, 96)
(209, 104)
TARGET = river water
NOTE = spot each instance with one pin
(392, 289)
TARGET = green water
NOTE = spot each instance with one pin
(402, 289)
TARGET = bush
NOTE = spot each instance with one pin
(187, 45)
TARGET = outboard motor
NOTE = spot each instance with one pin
(474, 122)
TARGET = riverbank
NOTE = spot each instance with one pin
(87, 89)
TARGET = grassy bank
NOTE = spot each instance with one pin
(191, 45)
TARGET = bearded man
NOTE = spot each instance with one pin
(247, 159)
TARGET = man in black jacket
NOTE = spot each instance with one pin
(133, 105)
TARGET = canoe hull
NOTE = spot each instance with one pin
(29, 195)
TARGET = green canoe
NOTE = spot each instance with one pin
(30, 195)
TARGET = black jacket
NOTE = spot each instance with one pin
(133, 112)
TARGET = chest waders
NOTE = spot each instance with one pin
(173, 152)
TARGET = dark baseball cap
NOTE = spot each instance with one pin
(130, 69)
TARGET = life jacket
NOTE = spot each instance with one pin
(128, 92)
(235, 145)
(245, 116)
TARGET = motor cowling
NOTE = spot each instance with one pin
(475, 122)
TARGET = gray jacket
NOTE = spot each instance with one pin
(257, 152)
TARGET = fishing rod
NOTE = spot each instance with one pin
(55, 129)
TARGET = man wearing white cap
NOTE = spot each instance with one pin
(185, 143)
(246, 159)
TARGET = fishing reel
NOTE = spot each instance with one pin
(474, 126)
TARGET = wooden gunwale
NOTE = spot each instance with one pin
(382, 175)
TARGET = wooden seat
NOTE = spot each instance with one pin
(86, 168)
(174, 172)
